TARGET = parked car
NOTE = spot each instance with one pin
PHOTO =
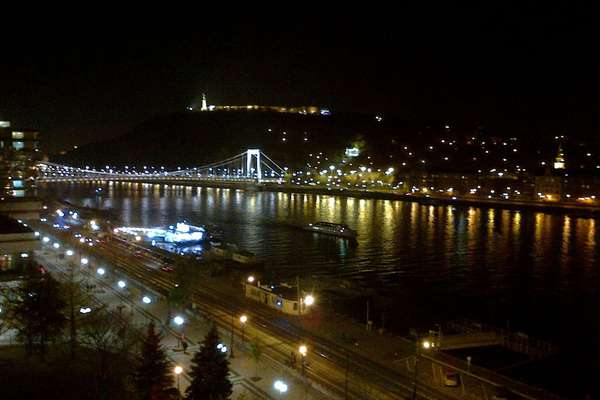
(452, 379)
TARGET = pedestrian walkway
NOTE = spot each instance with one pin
(251, 380)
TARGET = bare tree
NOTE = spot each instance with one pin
(76, 298)
(111, 339)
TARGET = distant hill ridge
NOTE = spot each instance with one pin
(197, 138)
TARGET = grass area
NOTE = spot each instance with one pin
(58, 378)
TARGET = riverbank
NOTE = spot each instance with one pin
(381, 194)
(439, 199)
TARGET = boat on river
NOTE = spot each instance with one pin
(329, 228)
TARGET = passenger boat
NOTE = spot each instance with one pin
(328, 228)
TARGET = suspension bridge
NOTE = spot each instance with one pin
(250, 166)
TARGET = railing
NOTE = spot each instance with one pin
(515, 341)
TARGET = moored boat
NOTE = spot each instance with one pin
(328, 228)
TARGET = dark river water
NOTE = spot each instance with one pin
(537, 271)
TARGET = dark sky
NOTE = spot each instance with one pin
(511, 66)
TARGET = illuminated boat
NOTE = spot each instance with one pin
(328, 228)
(181, 232)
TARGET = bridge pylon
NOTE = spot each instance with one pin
(249, 170)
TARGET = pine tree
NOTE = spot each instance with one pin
(153, 379)
(210, 370)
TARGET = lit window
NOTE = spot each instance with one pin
(17, 184)
(18, 193)
(18, 135)
(18, 145)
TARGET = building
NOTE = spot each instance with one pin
(559, 161)
(281, 297)
(19, 154)
(305, 110)
(17, 243)
(549, 186)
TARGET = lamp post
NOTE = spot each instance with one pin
(303, 350)
(346, 375)
(231, 344)
(178, 370)
(426, 345)
(243, 320)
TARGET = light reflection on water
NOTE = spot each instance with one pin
(435, 262)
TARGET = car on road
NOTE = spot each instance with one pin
(451, 379)
(138, 253)
(166, 268)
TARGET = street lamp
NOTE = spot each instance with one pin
(69, 252)
(231, 344)
(178, 320)
(280, 386)
(146, 300)
(303, 350)
(178, 370)
(309, 300)
(56, 245)
(121, 284)
(84, 261)
(250, 279)
(222, 347)
(46, 239)
(243, 320)
(101, 271)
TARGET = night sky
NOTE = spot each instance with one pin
(508, 66)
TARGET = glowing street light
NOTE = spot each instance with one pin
(280, 386)
(46, 239)
(84, 261)
(56, 245)
(243, 320)
(222, 347)
(426, 344)
(121, 284)
(178, 320)
(250, 279)
(101, 271)
(303, 350)
(146, 300)
(309, 300)
(69, 252)
(178, 370)
(85, 310)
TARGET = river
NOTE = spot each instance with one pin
(537, 271)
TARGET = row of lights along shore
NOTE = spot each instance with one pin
(279, 385)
